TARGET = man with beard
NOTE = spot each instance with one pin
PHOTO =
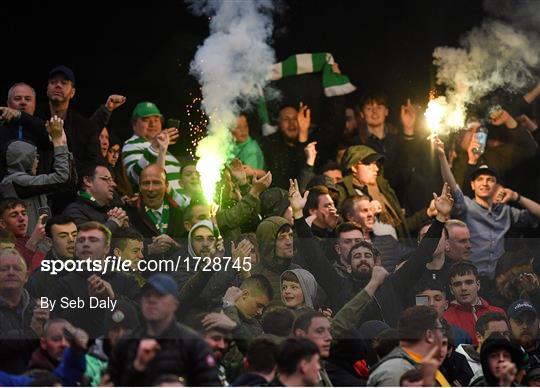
(358, 208)
(62, 231)
(524, 326)
(362, 258)
(216, 328)
(94, 197)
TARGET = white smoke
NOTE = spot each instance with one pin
(492, 56)
(232, 67)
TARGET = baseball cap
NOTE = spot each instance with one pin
(66, 71)
(146, 109)
(163, 284)
(519, 307)
(484, 169)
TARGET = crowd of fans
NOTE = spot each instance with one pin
(360, 253)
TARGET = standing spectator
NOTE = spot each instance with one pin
(155, 215)
(276, 241)
(488, 221)
(348, 234)
(104, 142)
(363, 178)
(316, 327)
(118, 170)
(298, 363)
(246, 148)
(259, 364)
(19, 120)
(486, 325)
(432, 293)
(22, 181)
(120, 322)
(94, 197)
(467, 307)
(420, 331)
(162, 345)
(62, 231)
(142, 148)
(248, 309)
(359, 209)
(501, 359)
(284, 150)
(128, 244)
(106, 286)
(81, 132)
(362, 259)
(298, 290)
(321, 206)
(524, 323)
(13, 219)
(21, 319)
(216, 329)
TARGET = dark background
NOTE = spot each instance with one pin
(143, 49)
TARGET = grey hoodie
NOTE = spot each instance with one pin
(20, 183)
(308, 284)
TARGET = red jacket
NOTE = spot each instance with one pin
(465, 317)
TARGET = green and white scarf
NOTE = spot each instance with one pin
(163, 224)
(86, 195)
(334, 84)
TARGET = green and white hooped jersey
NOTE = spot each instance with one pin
(137, 154)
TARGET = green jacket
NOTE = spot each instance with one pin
(230, 220)
(350, 315)
(250, 153)
(408, 225)
(270, 266)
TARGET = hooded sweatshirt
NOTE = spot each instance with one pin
(308, 284)
(206, 223)
(270, 266)
(493, 343)
(20, 183)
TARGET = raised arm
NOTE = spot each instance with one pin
(350, 315)
(446, 172)
(406, 277)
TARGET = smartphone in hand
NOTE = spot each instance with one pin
(44, 210)
(173, 123)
